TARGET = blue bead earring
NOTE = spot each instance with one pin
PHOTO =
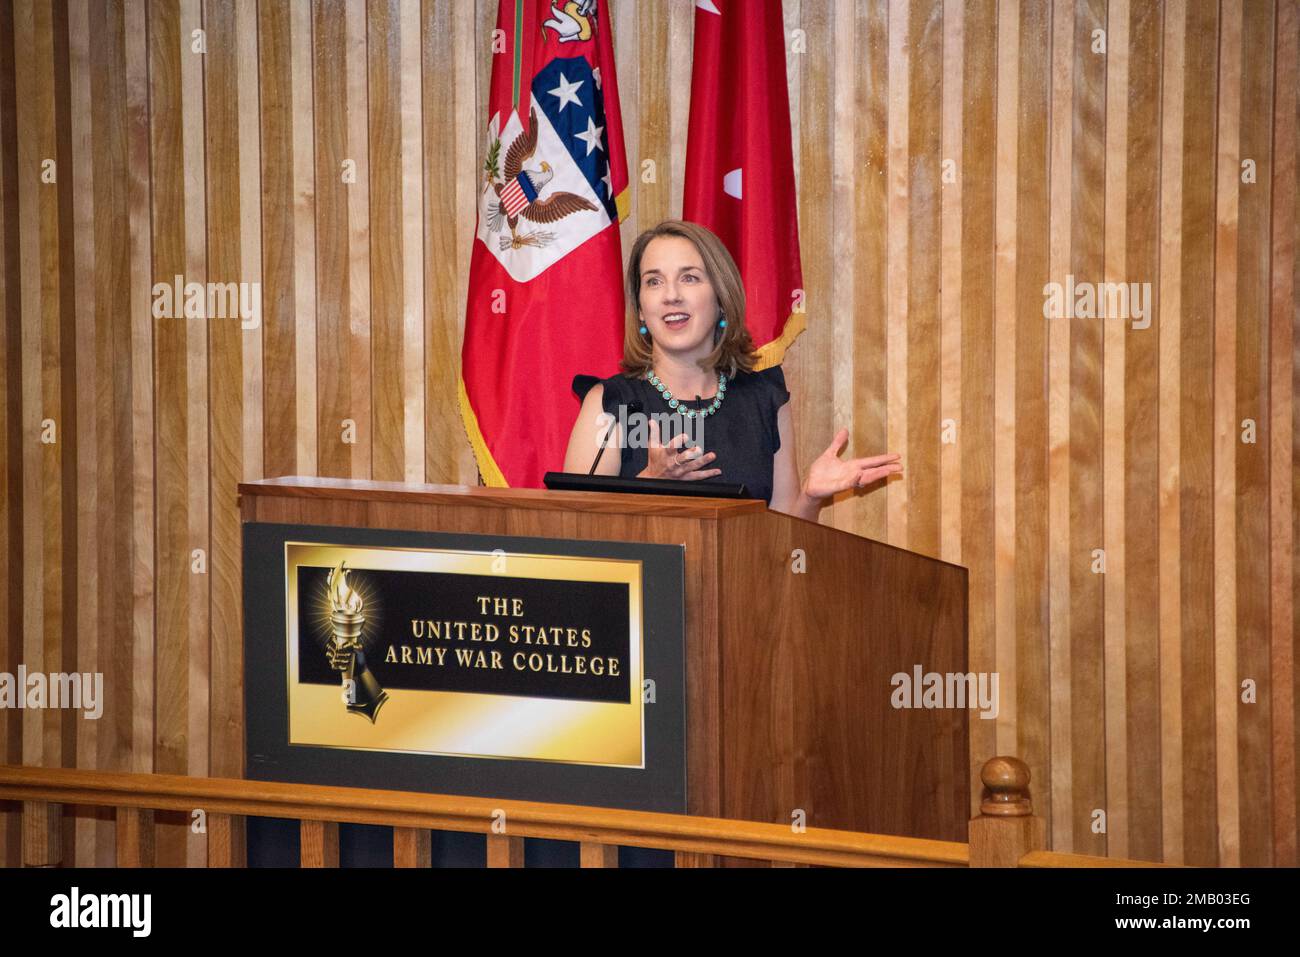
(723, 323)
(644, 330)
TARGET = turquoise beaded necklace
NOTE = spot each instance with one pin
(676, 405)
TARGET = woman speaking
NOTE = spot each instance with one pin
(688, 355)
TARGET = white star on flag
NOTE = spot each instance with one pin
(731, 183)
(609, 186)
(567, 92)
(592, 136)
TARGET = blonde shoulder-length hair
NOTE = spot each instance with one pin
(733, 349)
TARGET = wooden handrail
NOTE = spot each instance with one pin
(442, 812)
(1005, 834)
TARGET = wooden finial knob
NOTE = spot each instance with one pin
(1006, 783)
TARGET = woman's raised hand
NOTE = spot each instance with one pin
(830, 474)
(674, 460)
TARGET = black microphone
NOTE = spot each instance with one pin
(633, 408)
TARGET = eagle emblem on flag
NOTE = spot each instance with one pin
(518, 192)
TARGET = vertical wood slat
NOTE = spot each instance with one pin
(337, 348)
(1003, 477)
(505, 851)
(814, 144)
(12, 433)
(627, 40)
(597, 855)
(950, 276)
(1196, 360)
(1114, 429)
(61, 577)
(1142, 437)
(135, 837)
(681, 38)
(88, 401)
(387, 263)
(1031, 691)
(198, 409)
(479, 28)
(172, 258)
(33, 534)
(1086, 635)
(1293, 213)
(921, 371)
(844, 178)
(1253, 788)
(412, 847)
(282, 264)
(303, 192)
(451, 127)
(690, 859)
(247, 66)
(144, 588)
(1061, 823)
(227, 840)
(413, 372)
(654, 197)
(1228, 851)
(319, 843)
(985, 64)
(358, 325)
(227, 337)
(109, 393)
(870, 401)
(1170, 412)
(42, 834)
(1282, 424)
(896, 301)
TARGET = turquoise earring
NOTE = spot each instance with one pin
(723, 323)
(644, 330)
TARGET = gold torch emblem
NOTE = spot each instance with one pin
(361, 690)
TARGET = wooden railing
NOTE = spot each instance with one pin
(1006, 834)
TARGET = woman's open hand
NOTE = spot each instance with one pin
(675, 461)
(830, 474)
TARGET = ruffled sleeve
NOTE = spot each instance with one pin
(582, 385)
(615, 394)
(611, 397)
(775, 395)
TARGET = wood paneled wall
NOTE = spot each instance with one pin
(953, 158)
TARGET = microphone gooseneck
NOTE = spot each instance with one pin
(633, 408)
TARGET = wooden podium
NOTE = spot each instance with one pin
(793, 632)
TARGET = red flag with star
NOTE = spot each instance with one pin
(545, 286)
(740, 163)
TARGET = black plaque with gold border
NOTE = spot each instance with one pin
(494, 666)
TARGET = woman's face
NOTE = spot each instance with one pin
(678, 304)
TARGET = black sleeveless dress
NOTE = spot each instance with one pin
(742, 432)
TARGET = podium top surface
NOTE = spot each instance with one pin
(473, 496)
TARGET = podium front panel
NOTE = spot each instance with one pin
(499, 666)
